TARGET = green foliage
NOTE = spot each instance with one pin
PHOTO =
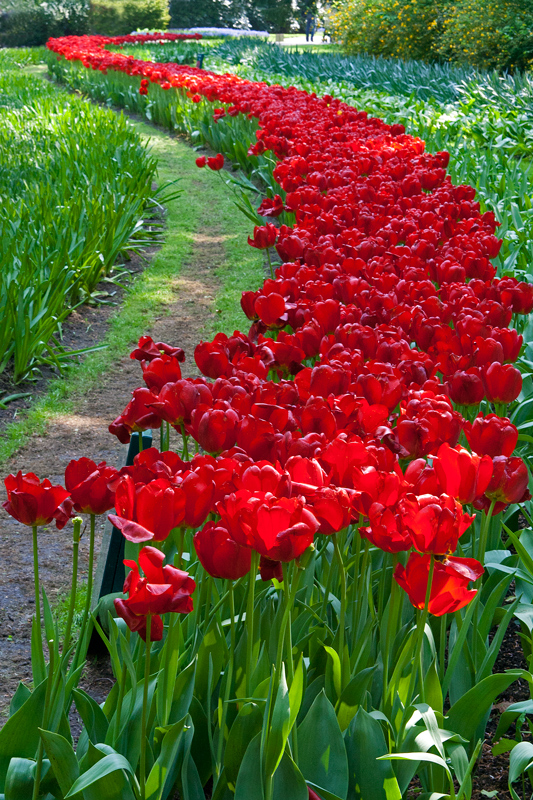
(496, 34)
(60, 152)
(121, 17)
(32, 22)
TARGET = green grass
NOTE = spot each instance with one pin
(205, 201)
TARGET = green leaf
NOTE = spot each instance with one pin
(289, 781)
(520, 760)
(249, 784)
(20, 735)
(321, 750)
(62, 758)
(510, 714)
(20, 779)
(156, 785)
(323, 793)
(369, 778)
(296, 692)
(107, 765)
(279, 727)
(352, 695)
(468, 715)
(92, 715)
(430, 757)
(38, 666)
(19, 698)
(183, 692)
(336, 666)
(247, 724)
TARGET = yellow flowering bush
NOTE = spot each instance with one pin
(395, 28)
(495, 34)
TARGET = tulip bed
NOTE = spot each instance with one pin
(320, 579)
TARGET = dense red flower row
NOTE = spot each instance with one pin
(384, 321)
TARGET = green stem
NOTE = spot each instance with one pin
(140, 439)
(270, 263)
(442, 646)
(250, 622)
(75, 551)
(418, 656)
(229, 680)
(142, 769)
(484, 532)
(392, 622)
(36, 580)
(342, 614)
(46, 713)
(121, 693)
(361, 586)
(83, 639)
(185, 451)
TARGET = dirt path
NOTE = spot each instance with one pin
(84, 433)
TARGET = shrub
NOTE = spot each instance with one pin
(396, 28)
(30, 22)
(120, 17)
(496, 34)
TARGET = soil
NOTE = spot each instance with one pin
(84, 433)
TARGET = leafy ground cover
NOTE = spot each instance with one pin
(361, 664)
(58, 151)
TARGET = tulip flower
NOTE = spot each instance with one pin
(449, 587)
(201, 161)
(34, 502)
(509, 482)
(136, 417)
(147, 511)
(466, 387)
(503, 383)
(385, 530)
(264, 236)
(147, 350)
(462, 475)
(220, 555)
(88, 484)
(215, 429)
(159, 371)
(216, 162)
(491, 435)
(271, 207)
(435, 524)
(162, 590)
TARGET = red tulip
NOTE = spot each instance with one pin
(270, 570)
(271, 207)
(199, 488)
(219, 554)
(34, 502)
(509, 482)
(435, 524)
(492, 435)
(177, 401)
(162, 590)
(449, 588)
(331, 507)
(264, 236)
(462, 475)
(147, 350)
(279, 528)
(201, 161)
(88, 484)
(216, 162)
(159, 371)
(503, 383)
(215, 429)
(147, 511)
(385, 530)
(136, 417)
(269, 308)
(466, 387)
